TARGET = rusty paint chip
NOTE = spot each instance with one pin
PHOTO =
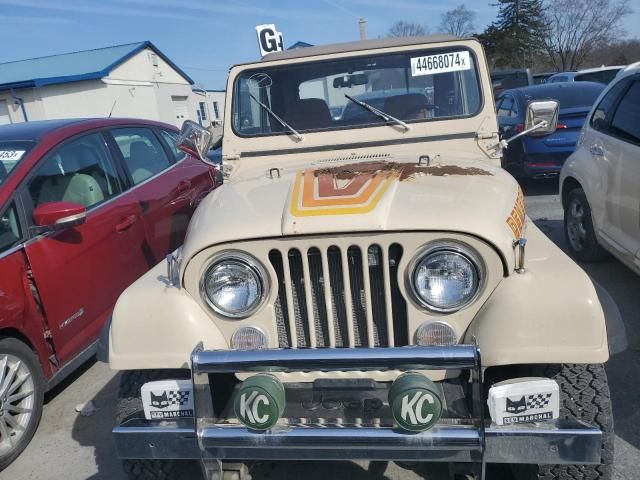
(404, 171)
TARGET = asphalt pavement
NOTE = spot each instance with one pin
(73, 447)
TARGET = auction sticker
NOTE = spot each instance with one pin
(440, 63)
(11, 155)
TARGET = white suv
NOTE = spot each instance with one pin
(600, 181)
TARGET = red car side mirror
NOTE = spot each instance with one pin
(59, 215)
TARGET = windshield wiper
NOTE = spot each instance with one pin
(385, 116)
(278, 119)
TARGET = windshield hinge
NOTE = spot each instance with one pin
(234, 156)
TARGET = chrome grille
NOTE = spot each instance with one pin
(339, 297)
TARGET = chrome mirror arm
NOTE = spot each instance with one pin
(505, 143)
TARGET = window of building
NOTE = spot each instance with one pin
(215, 110)
(203, 111)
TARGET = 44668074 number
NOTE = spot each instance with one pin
(440, 63)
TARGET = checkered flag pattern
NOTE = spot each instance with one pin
(177, 397)
(537, 401)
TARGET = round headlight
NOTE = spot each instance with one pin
(234, 286)
(445, 279)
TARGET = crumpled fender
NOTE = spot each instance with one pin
(156, 325)
(550, 313)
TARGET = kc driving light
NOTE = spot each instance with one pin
(445, 278)
(234, 285)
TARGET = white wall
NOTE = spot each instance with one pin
(137, 89)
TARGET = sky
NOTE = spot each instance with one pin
(206, 37)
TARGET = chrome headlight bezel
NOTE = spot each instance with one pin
(455, 247)
(248, 261)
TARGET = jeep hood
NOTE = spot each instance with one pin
(393, 194)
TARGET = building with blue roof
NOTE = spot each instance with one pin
(131, 80)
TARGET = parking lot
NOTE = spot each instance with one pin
(71, 446)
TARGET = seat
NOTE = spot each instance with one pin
(142, 161)
(406, 107)
(307, 114)
(73, 185)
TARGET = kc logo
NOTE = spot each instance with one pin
(250, 408)
(412, 409)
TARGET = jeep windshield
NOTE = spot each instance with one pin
(12, 153)
(417, 86)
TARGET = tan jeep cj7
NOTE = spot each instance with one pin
(365, 285)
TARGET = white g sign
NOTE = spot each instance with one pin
(269, 39)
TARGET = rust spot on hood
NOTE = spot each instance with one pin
(404, 171)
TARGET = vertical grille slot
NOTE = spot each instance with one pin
(299, 298)
(378, 288)
(398, 303)
(339, 297)
(358, 298)
(318, 283)
(282, 314)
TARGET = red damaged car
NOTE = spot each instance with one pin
(86, 207)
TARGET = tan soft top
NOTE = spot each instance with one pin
(359, 45)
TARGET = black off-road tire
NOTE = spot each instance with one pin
(584, 395)
(16, 348)
(590, 251)
(129, 407)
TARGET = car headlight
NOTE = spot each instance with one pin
(445, 278)
(234, 285)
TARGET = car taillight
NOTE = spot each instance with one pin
(520, 128)
(560, 126)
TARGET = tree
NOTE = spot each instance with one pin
(521, 25)
(406, 29)
(578, 27)
(458, 21)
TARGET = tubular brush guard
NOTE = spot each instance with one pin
(212, 440)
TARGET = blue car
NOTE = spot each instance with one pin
(543, 156)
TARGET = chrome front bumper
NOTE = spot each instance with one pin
(209, 439)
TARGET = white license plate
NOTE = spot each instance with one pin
(440, 63)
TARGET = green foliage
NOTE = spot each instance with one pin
(517, 36)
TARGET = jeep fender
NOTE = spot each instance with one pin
(157, 325)
(550, 313)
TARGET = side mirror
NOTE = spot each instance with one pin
(195, 140)
(542, 117)
(56, 216)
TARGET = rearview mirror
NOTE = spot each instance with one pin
(56, 216)
(542, 117)
(347, 81)
(195, 140)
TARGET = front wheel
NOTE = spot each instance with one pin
(129, 406)
(578, 228)
(584, 395)
(21, 398)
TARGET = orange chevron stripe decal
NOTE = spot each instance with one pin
(325, 193)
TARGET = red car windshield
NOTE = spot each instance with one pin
(11, 154)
